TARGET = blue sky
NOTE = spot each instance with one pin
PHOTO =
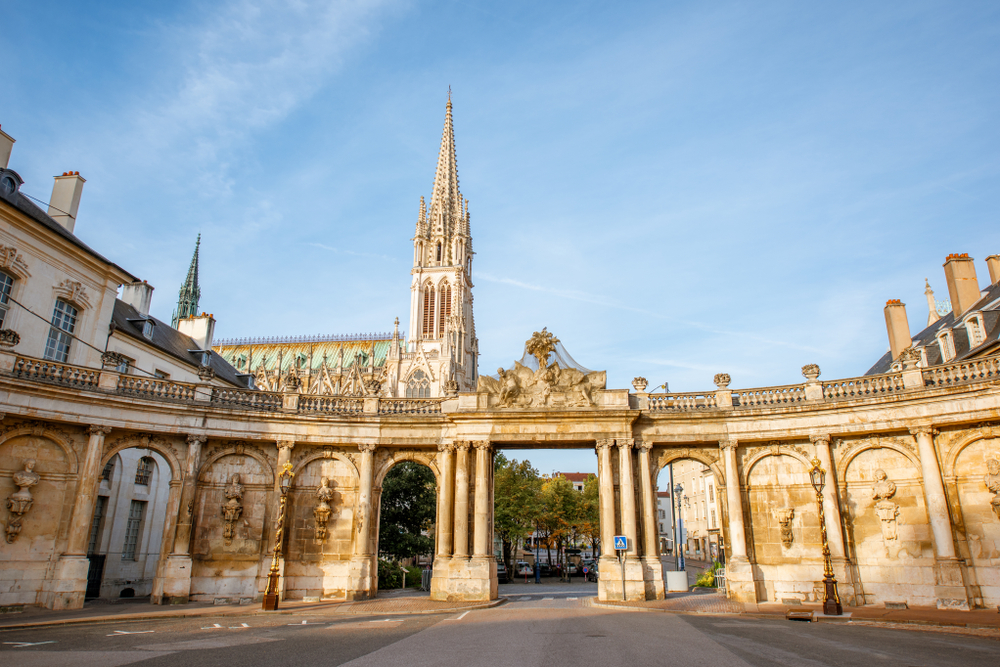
(674, 189)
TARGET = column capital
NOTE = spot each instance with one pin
(625, 443)
(462, 445)
(96, 429)
(923, 429)
(821, 438)
(197, 439)
(287, 444)
(729, 443)
(367, 447)
(446, 447)
(604, 444)
(643, 446)
(482, 444)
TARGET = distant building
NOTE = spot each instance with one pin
(578, 479)
(699, 509)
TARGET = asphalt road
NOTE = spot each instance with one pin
(548, 628)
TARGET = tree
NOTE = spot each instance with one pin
(560, 516)
(408, 506)
(516, 490)
(590, 513)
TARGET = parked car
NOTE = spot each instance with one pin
(572, 569)
(503, 576)
(545, 570)
(591, 570)
(523, 569)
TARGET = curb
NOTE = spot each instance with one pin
(239, 612)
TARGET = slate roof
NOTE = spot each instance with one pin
(989, 304)
(128, 320)
(28, 208)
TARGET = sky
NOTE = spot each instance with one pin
(675, 189)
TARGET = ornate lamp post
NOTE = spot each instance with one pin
(271, 592)
(831, 605)
(678, 551)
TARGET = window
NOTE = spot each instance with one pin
(444, 308)
(61, 334)
(8, 186)
(109, 469)
(6, 285)
(976, 337)
(428, 323)
(663, 514)
(947, 346)
(144, 471)
(147, 329)
(439, 252)
(136, 513)
(163, 375)
(300, 361)
(711, 493)
(418, 386)
(125, 364)
(661, 527)
(712, 520)
(100, 509)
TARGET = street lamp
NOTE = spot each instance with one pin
(271, 592)
(831, 605)
(678, 553)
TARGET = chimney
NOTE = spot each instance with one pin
(993, 264)
(65, 200)
(200, 327)
(898, 327)
(960, 272)
(138, 295)
(6, 145)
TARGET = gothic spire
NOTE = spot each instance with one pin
(446, 200)
(187, 299)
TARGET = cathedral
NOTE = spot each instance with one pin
(438, 358)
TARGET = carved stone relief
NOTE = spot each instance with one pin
(323, 510)
(785, 517)
(232, 509)
(19, 502)
(886, 510)
(992, 481)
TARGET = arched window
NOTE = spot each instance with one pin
(444, 307)
(418, 386)
(439, 252)
(428, 324)
(144, 471)
(61, 333)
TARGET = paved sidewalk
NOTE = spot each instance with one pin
(388, 602)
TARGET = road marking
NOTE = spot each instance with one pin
(458, 618)
(572, 598)
(23, 644)
(119, 633)
(387, 620)
(237, 627)
(544, 599)
(213, 627)
(304, 623)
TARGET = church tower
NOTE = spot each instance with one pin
(442, 349)
(187, 300)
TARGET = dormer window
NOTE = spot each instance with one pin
(147, 329)
(10, 183)
(300, 361)
(206, 357)
(974, 325)
(947, 345)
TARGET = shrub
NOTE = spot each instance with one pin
(413, 576)
(390, 574)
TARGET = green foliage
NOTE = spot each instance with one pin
(707, 578)
(516, 490)
(413, 575)
(590, 512)
(390, 574)
(408, 507)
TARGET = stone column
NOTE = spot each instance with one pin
(831, 505)
(481, 529)
(182, 538)
(285, 448)
(950, 589)
(626, 488)
(366, 483)
(68, 583)
(446, 495)
(739, 573)
(462, 500)
(606, 483)
(650, 543)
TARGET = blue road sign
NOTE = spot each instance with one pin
(621, 543)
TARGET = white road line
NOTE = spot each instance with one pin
(572, 598)
(544, 599)
(387, 620)
(23, 644)
(213, 627)
(237, 627)
(119, 633)
(304, 623)
(458, 618)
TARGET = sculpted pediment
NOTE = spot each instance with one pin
(551, 385)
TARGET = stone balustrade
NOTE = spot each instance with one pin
(29, 368)
(156, 388)
(974, 370)
(681, 402)
(769, 396)
(863, 387)
(331, 404)
(411, 406)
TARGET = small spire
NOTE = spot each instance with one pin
(932, 314)
(190, 293)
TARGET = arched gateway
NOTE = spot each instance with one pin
(888, 505)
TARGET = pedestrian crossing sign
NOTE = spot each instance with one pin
(621, 543)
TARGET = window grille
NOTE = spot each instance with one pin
(6, 285)
(418, 386)
(136, 512)
(61, 333)
(100, 510)
(144, 471)
(109, 468)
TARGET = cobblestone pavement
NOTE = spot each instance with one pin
(705, 601)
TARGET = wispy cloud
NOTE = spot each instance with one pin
(340, 251)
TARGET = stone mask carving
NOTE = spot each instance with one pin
(19, 502)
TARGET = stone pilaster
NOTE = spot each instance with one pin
(739, 573)
(68, 585)
(461, 543)
(364, 565)
(652, 569)
(177, 568)
(950, 587)
(831, 512)
(481, 529)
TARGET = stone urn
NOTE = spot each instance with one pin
(810, 372)
(640, 384)
(722, 380)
